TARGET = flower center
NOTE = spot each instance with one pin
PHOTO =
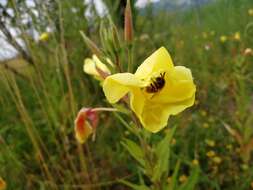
(156, 84)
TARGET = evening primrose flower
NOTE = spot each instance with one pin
(96, 68)
(157, 90)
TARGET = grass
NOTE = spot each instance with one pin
(38, 149)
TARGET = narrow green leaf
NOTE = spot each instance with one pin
(163, 153)
(192, 180)
(135, 150)
(173, 184)
(134, 186)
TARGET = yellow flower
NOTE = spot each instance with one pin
(217, 160)
(44, 37)
(223, 39)
(210, 143)
(183, 178)
(96, 68)
(2, 184)
(237, 36)
(205, 125)
(158, 89)
(250, 12)
(195, 162)
(210, 153)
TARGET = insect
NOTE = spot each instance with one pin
(157, 84)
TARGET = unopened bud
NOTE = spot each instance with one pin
(85, 124)
(128, 23)
(93, 47)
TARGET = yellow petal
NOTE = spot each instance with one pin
(160, 60)
(101, 65)
(155, 116)
(90, 65)
(117, 85)
(179, 86)
(137, 100)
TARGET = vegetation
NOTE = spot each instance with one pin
(209, 146)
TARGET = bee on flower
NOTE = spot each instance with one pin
(157, 90)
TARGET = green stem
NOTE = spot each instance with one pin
(130, 57)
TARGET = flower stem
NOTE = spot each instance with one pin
(130, 57)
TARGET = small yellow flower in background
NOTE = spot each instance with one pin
(85, 124)
(183, 178)
(210, 153)
(210, 143)
(229, 147)
(245, 167)
(204, 35)
(250, 12)
(195, 162)
(217, 160)
(173, 141)
(205, 125)
(158, 89)
(2, 184)
(251, 184)
(223, 39)
(237, 36)
(44, 37)
(203, 113)
(96, 68)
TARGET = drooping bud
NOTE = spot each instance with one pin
(128, 23)
(85, 124)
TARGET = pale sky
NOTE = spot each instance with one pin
(7, 51)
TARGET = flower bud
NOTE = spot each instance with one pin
(85, 124)
(128, 23)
